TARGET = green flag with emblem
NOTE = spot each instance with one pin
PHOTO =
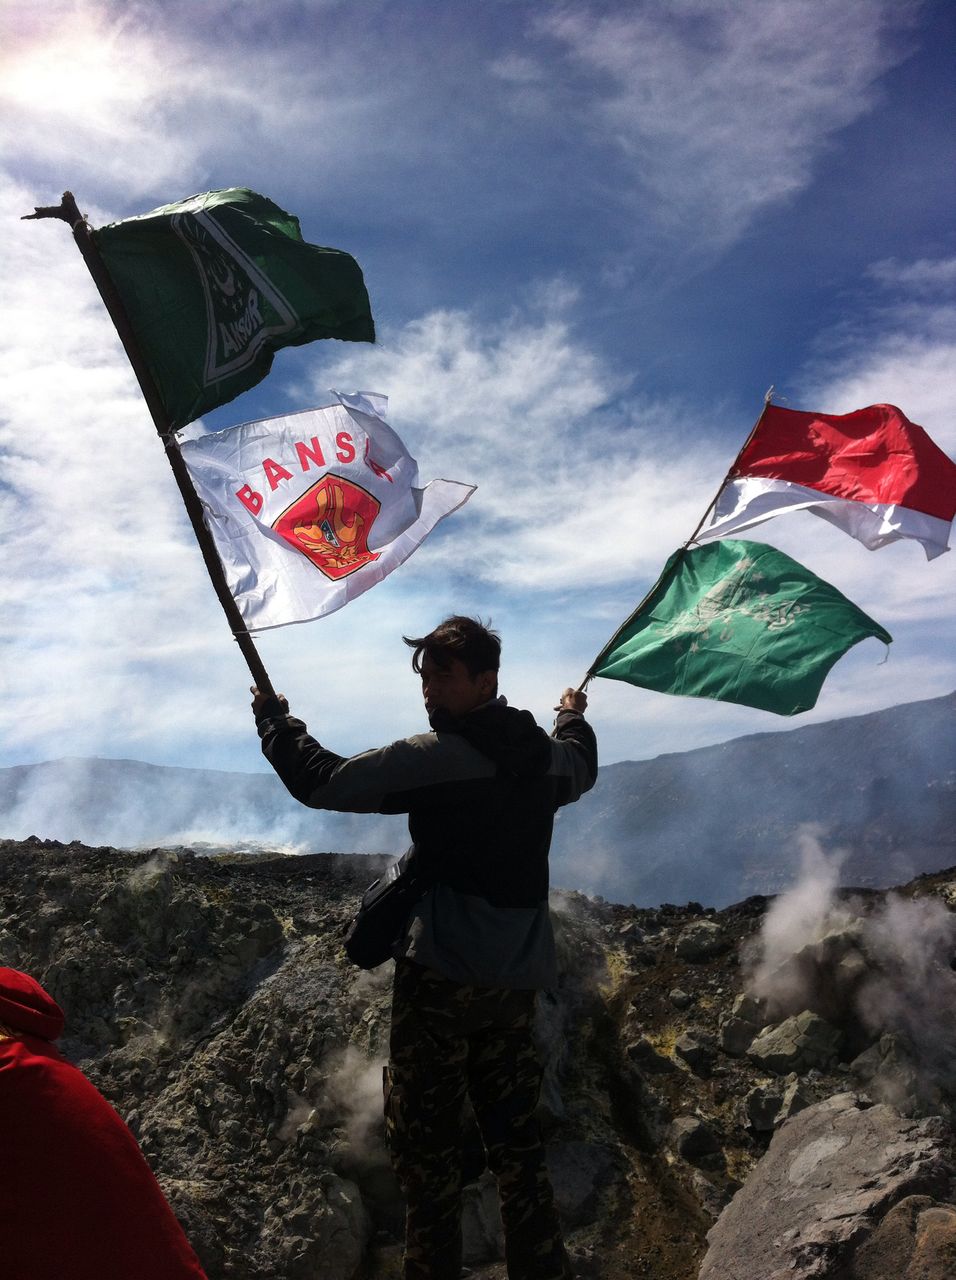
(216, 284)
(739, 622)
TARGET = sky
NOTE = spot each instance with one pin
(593, 234)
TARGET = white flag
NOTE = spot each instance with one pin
(311, 509)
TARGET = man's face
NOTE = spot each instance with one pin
(454, 689)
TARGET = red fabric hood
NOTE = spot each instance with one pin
(25, 1006)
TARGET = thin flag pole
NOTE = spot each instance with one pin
(68, 212)
(768, 397)
(628, 620)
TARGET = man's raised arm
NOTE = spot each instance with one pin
(575, 747)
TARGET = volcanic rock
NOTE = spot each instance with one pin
(700, 941)
(209, 998)
(697, 1048)
(747, 1018)
(797, 1044)
(831, 1174)
(915, 1241)
(692, 1139)
(890, 1072)
(647, 1058)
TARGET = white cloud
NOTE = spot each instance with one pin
(722, 107)
(900, 348)
(137, 106)
(103, 596)
(926, 275)
(586, 485)
(585, 488)
(90, 91)
(575, 487)
(515, 68)
(690, 117)
(108, 611)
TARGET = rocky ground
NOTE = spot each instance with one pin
(799, 1052)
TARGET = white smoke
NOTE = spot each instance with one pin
(129, 804)
(803, 914)
(352, 1098)
(151, 869)
(903, 993)
(913, 988)
(299, 1111)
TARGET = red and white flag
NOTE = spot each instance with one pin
(872, 473)
(309, 510)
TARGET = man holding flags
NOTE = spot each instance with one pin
(297, 515)
(480, 790)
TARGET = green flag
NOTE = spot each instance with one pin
(215, 284)
(739, 622)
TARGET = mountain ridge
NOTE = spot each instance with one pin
(715, 823)
(764, 734)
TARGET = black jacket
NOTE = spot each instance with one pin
(480, 793)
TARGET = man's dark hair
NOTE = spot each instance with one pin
(467, 639)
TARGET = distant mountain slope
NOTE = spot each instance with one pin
(129, 803)
(719, 823)
(713, 825)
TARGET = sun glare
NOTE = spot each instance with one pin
(82, 73)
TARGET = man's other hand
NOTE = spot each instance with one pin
(266, 703)
(573, 700)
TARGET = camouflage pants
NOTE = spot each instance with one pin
(449, 1041)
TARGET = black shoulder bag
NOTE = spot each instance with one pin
(384, 910)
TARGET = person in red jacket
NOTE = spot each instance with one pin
(77, 1199)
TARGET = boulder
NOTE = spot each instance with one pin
(915, 1241)
(631, 931)
(701, 941)
(749, 1009)
(793, 1101)
(824, 975)
(797, 1044)
(747, 1017)
(697, 1048)
(647, 1058)
(888, 1071)
(736, 1037)
(830, 1174)
(579, 1171)
(692, 1139)
(767, 1106)
(762, 1106)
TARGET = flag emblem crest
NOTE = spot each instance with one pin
(310, 510)
(330, 525)
(243, 306)
(216, 284)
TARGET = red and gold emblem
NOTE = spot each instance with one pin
(330, 524)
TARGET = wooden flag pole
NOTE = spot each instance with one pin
(633, 614)
(68, 212)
